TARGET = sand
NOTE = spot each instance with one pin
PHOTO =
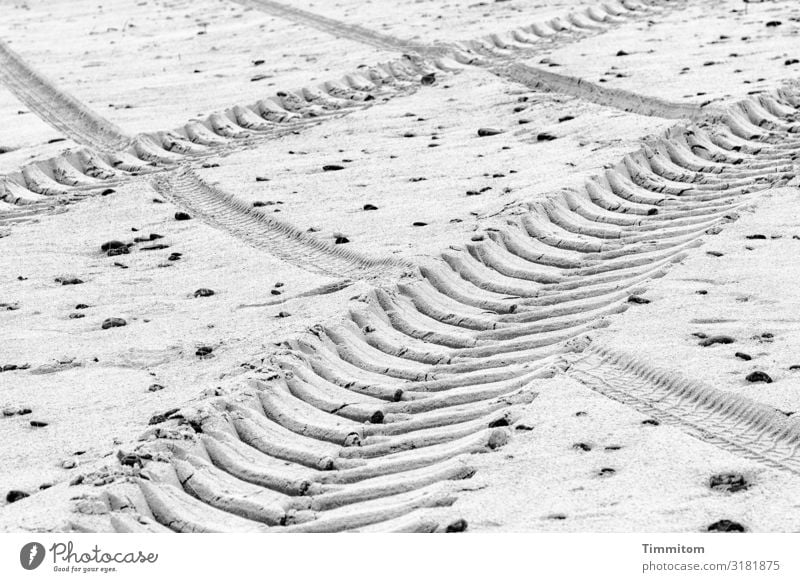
(92, 385)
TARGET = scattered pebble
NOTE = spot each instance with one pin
(340, 240)
(203, 292)
(458, 526)
(182, 216)
(204, 351)
(545, 137)
(155, 388)
(730, 482)
(69, 464)
(283, 314)
(488, 131)
(637, 299)
(726, 526)
(370, 207)
(15, 495)
(38, 423)
(759, 376)
(159, 418)
(69, 280)
(332, 168)
(717, 339)
(582, 447)
(428, 79)
(113, 322)
(112, 244)
(651, 422)
(743, 356)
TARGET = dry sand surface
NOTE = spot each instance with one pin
(406, 288)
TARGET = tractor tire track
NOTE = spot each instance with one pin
(367, 422)
(222, 210)
(56, 107)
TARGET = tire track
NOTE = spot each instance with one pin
(368, 421)
(737, 424)
(282, 239)
(56, 107)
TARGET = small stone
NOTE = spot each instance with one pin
(159, 418)
(274, 292)
(566, 118)
(38, 424)
(743, 356)
(637, 299)
(155, 388)
(419, 223)
(76, 315)
(158, 247)
(182, 216)
(81, 306)
(759, 376)
(283, 314)
(651, 422)
(175, 257)
(622, 53)
(69, 281)
(204, 351)
(340, 240)
(726, 526)
(107, 191)
(717, 339)
(756, 237)
(332, 168)
(428, 79)
(729, 482)
(523, 427)
(69, 464)
(545, 137)
(118, 251)
(773, 23)
(370, 207)
(607, 472)
(714, 253)
(15, 495)
(488, 131)
(203, 292)
(582, 447)
(112, 244)
(458, 526)
(113, 322)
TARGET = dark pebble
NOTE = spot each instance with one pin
(262, 179)
(118, 251)
(370, 207)
(155, 388)
(566, 118)
(488, 131)
(113, 322)
(794, 367)
(39, 423)
(283, 314)
(16, 495)
(743, 356)
(523, 427)
(340, 240)
(726, 526)
(418, 223)
(112, 244)
(458, 526)
(756, 237)
(621, 53)
(582, 447)
(332, 168)
(638, 299)
(717, 339)
(651, 422)
(773, 23)
(789, 62)
(759, 376)
(182, 216)
(714, 253)
(275, 292)
(72, 281)
(175, 257)
(107, 191)
(158, 247)
(76, 315)
(607, 471)
(545, 137)
(730, 482)
(159, 418)
(428, 79)
(203, 351)
(203, 292)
